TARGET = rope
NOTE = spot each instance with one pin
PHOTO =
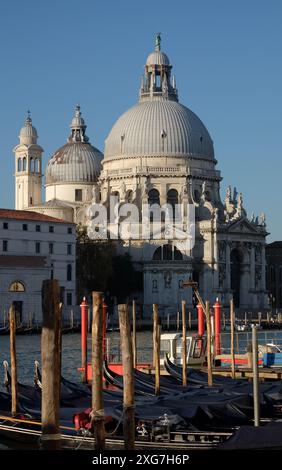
(128, 407)
(51, 437)
(97, 415)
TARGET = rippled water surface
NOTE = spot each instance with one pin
(28, 351)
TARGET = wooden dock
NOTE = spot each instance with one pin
(265, 373)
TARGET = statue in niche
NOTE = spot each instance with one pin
(122, 190)
(155, 285)
(95, 194)
(167, 279)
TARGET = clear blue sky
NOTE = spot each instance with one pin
(227, 60)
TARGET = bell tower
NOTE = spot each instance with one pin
(28, 167)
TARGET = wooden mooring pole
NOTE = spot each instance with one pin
(256, 393)
(51, 361)
(97, 414)
(177, 321)
(134, 342)
(13, 353)
(184, 345)
(128, 378)
(209, 343)
(189, 320)
(156, 348)
(232, 325)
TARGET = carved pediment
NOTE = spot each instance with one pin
(243, 226)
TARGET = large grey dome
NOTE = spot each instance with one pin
(159, 127)
(77, 161)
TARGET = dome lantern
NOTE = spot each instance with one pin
(156, 83)
(78, 127)
(28, 133)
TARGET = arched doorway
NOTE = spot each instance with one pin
(235, 267)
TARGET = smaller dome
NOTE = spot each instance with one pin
(157, 58)
(77, 161)
(28, 133)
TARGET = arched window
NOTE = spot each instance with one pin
(197, 195)
(153, 197)
(37, 166)
(172, 199)
(167, 253)
(129, 196)
(31, 165)
(116, 194)
(69, 272)
(19, 164)
(17, 286)
(24, 164)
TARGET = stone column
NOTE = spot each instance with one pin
(228, 266)
(252, 267)
(263, 268)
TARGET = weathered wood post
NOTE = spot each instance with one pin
(84, 331)
(256, 393)
(134, 342)
(97, 414)
(232, 352)
(184, 345)
(51, 371)
(13, 354)
(190, 321)
(177, 321)
(156, 347)
(223, 321)
(209, 343)
(128, 378)
(71, 319)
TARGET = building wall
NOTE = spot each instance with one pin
(66, 192)
(21, 262)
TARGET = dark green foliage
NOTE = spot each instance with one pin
(98, 268)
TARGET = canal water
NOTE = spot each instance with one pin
(28, 351)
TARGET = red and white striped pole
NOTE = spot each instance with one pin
(84, 325)
(217, 316)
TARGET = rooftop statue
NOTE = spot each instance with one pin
(158, 42)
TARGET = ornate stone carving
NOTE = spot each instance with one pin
(258, 253)
(154, 285)
(257, 276)
(222, 250)
(221, 274)
(167, 279)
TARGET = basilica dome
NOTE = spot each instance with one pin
(158, 125)
(156, 128)
(77, 161)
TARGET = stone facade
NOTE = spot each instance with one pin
(34, 247)
(160, 152)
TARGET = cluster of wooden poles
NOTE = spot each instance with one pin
(51, 351)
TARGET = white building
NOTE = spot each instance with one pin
(158, 151)
(34, 247)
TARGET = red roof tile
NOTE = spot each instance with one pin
(30, 215)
